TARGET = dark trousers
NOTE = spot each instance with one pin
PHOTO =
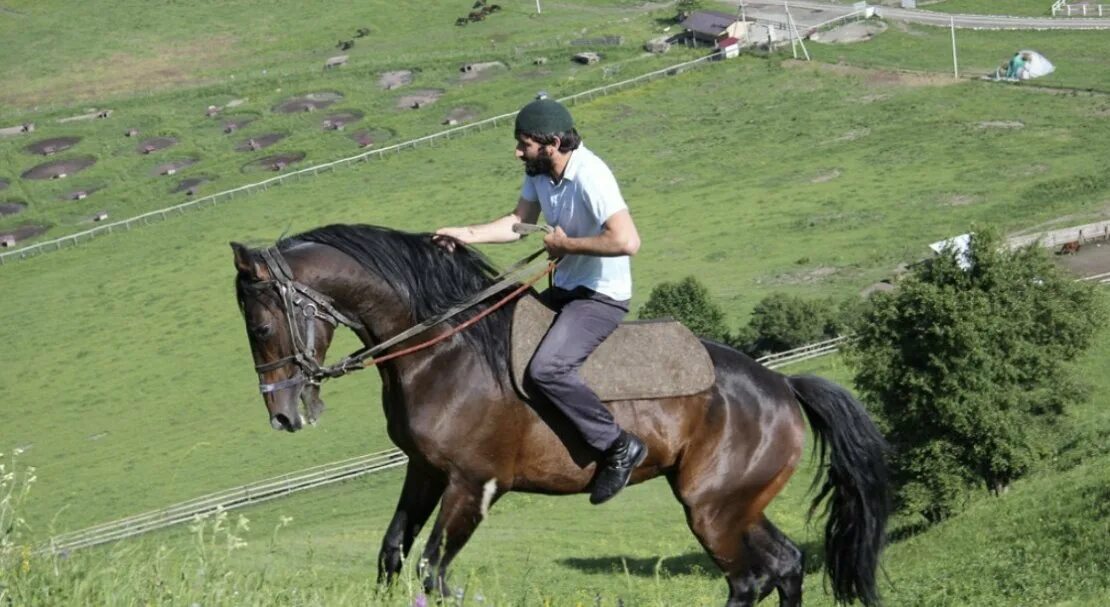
(585, 318)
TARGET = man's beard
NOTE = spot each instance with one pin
(540, 165)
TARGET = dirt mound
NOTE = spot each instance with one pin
(58, 169)
(173, 166)
(337, 121)
(856, 31)
(191, 185)
(259, 141)
(234, 123)
(12, 207)
(476, 72)
(460, 115)
(308, 103)
(23, 232)
(154, 144)
(419, 98)
(276, 162)
(80, 193)
(392, 80)
(52, 146)
(370, 137)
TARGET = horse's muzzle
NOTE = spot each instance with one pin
(281, 421)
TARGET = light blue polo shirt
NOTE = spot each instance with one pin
(581, 203)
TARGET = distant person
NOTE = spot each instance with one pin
(1017, 63)
(595, 235)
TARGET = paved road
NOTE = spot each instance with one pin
(940, 19)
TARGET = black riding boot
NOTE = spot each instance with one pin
(619, 461)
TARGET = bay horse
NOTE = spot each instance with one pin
(469, 438)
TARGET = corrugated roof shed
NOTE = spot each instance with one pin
(710, 23)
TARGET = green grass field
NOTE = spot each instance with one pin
(128, 381)
(1014, 8)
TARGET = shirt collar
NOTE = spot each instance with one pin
(573, 164)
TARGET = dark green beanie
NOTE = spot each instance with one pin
(544, 117)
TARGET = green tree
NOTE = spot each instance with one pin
(781, 322)
(968, 368)
(687, 301)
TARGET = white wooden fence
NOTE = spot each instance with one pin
(1099, 230)
(237, 497)
(309, 478)
(226, 195)
(1083, 9)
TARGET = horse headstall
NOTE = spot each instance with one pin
(302, 306)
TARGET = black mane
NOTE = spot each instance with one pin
(428, 277)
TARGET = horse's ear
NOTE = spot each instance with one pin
(244, 260)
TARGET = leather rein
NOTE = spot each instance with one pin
(303, 305)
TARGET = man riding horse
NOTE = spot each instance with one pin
(594, 235)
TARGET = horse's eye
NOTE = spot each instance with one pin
(263, 331)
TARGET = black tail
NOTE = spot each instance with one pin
(856, 485)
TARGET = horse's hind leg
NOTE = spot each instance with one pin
(463, 507)
(781, 559)
(754, 556)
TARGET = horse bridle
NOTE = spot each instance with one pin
(299, 301)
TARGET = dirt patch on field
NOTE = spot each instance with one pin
(276, 162)
(1092, 258)
(231, 124)
(826, 176)
(191, 185)
(58, 169)
(339, 120)
(23, 232)
(851, 135)
(157, 67)
(80, 193)
(960, 200)
(308, 103)
(461, 115)
(251, 144)
(856, 31)
(173, 166)
(54, 145)
(148, 146)
(1000, 124)
(876, 77)
(419, 98)
(801, 277)
(394, 79)
(371, 137)
(478, 72)
(12, 207)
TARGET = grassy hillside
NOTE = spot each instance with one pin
(1043, 543)
(126, 373)
(125, 358)
(125, 182)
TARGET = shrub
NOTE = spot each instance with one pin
(687, 301)
(782, 322)
(967, 368)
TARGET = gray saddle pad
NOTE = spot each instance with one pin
(641, 359)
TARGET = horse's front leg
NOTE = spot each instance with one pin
(463, 507)
(422, 489)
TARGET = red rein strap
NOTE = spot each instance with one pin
(435, 340)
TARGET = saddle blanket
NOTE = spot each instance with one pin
(641, 359)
